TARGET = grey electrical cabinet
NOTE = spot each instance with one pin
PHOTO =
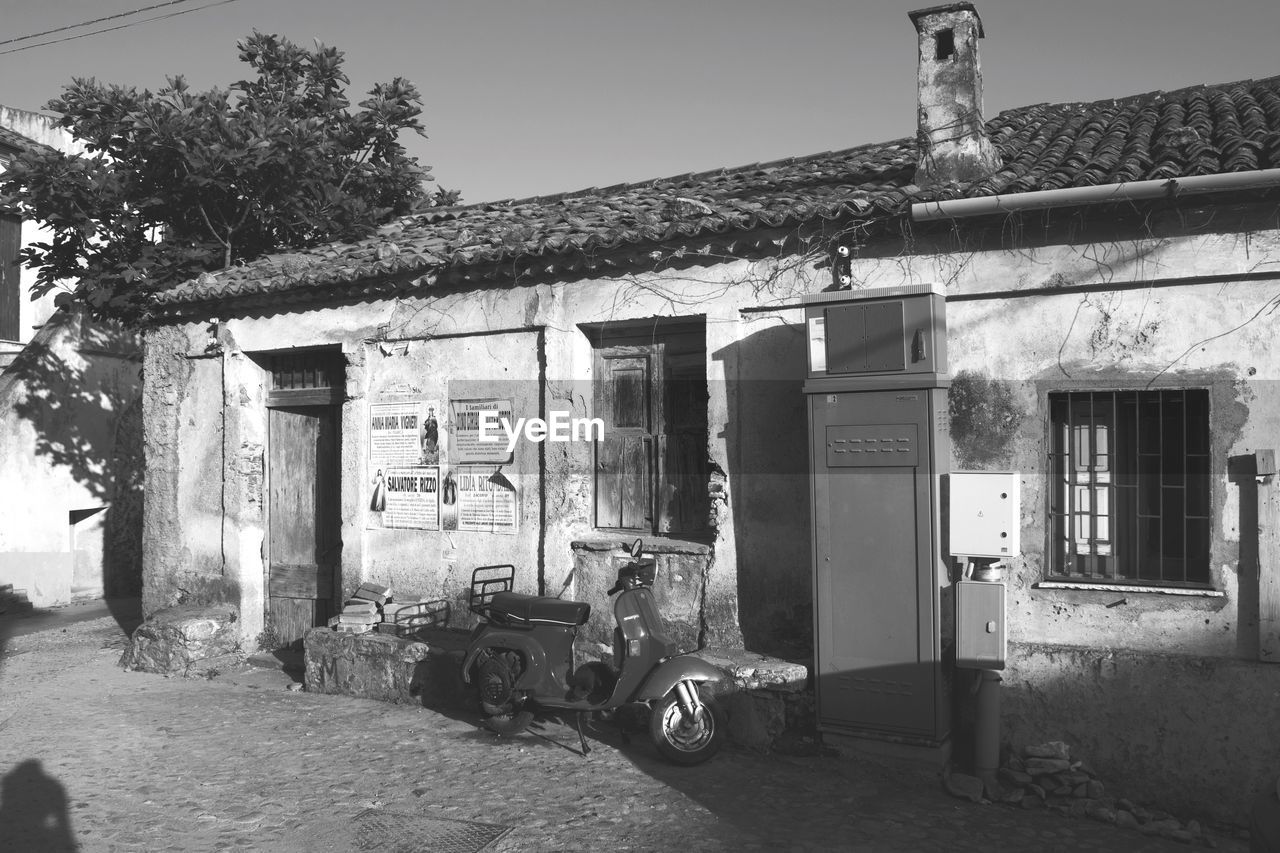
(877, 395)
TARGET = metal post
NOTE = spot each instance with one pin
(986, 735)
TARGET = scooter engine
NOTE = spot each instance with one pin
(498, 674)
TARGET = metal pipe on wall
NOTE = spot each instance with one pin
(961, 208)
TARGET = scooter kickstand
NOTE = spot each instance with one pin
(586, 750)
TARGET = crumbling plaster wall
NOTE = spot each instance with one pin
(1191, 735)
(1162, 693)
(437, 564)
(524, 339)
(1116, 335)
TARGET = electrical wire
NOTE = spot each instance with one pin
(94, 21)
(117, 27)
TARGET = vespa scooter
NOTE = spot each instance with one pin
(521, 657)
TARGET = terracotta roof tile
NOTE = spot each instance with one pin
(13, 139)
(1199, 130)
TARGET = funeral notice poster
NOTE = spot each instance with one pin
(487, 501)
(467, 445)
(404, 433)
(411, 498)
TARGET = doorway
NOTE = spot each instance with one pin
(304, 529)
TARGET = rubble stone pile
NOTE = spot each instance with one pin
(1047, 776)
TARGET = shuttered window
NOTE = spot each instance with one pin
(652, 466)
(10, 278)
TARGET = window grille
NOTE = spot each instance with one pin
(313, 377)
(1129, 501)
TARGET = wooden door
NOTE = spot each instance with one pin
(304, 527)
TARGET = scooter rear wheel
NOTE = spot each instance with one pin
(687, 742)
(499, 701)
(509, 724)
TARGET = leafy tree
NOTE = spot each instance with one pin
(178, 182)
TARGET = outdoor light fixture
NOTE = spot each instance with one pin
(212, 344)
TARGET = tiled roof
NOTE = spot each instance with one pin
(13, 139)
(1196, 131)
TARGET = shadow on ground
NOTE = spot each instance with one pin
(33, 810)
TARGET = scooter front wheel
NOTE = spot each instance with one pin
(687, 741)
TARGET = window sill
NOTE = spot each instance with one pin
(1124, 587)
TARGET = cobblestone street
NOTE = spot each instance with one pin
(93, 758)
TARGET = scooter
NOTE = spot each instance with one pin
(521, 657)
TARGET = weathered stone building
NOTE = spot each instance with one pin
(1110, 272)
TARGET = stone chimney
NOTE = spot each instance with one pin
(954, 146)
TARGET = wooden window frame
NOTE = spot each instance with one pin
(314, 377)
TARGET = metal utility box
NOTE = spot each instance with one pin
(878, 444)
(980, 625)
(983, 507)
(894, 333)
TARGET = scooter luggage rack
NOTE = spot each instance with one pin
(500, 578)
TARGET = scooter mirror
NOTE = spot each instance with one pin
(636, 547)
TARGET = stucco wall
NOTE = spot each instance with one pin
(1192, 734)
(1162, 693)
(522, 342)
(43, 129)
(437, 564)
(69, 461)
(1207, 335)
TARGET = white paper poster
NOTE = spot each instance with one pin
(404, 433)
(408, 498)
(487, 501)
(465, 446)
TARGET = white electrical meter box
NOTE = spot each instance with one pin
(984, 514)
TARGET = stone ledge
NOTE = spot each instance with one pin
(751, 671)
(370, 666)
(768, 701)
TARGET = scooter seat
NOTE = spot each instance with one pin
(538, 610)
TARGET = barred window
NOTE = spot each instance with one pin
(1129, 501)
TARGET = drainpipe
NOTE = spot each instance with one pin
(1131, 191)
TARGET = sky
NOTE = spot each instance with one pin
(546, 96)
